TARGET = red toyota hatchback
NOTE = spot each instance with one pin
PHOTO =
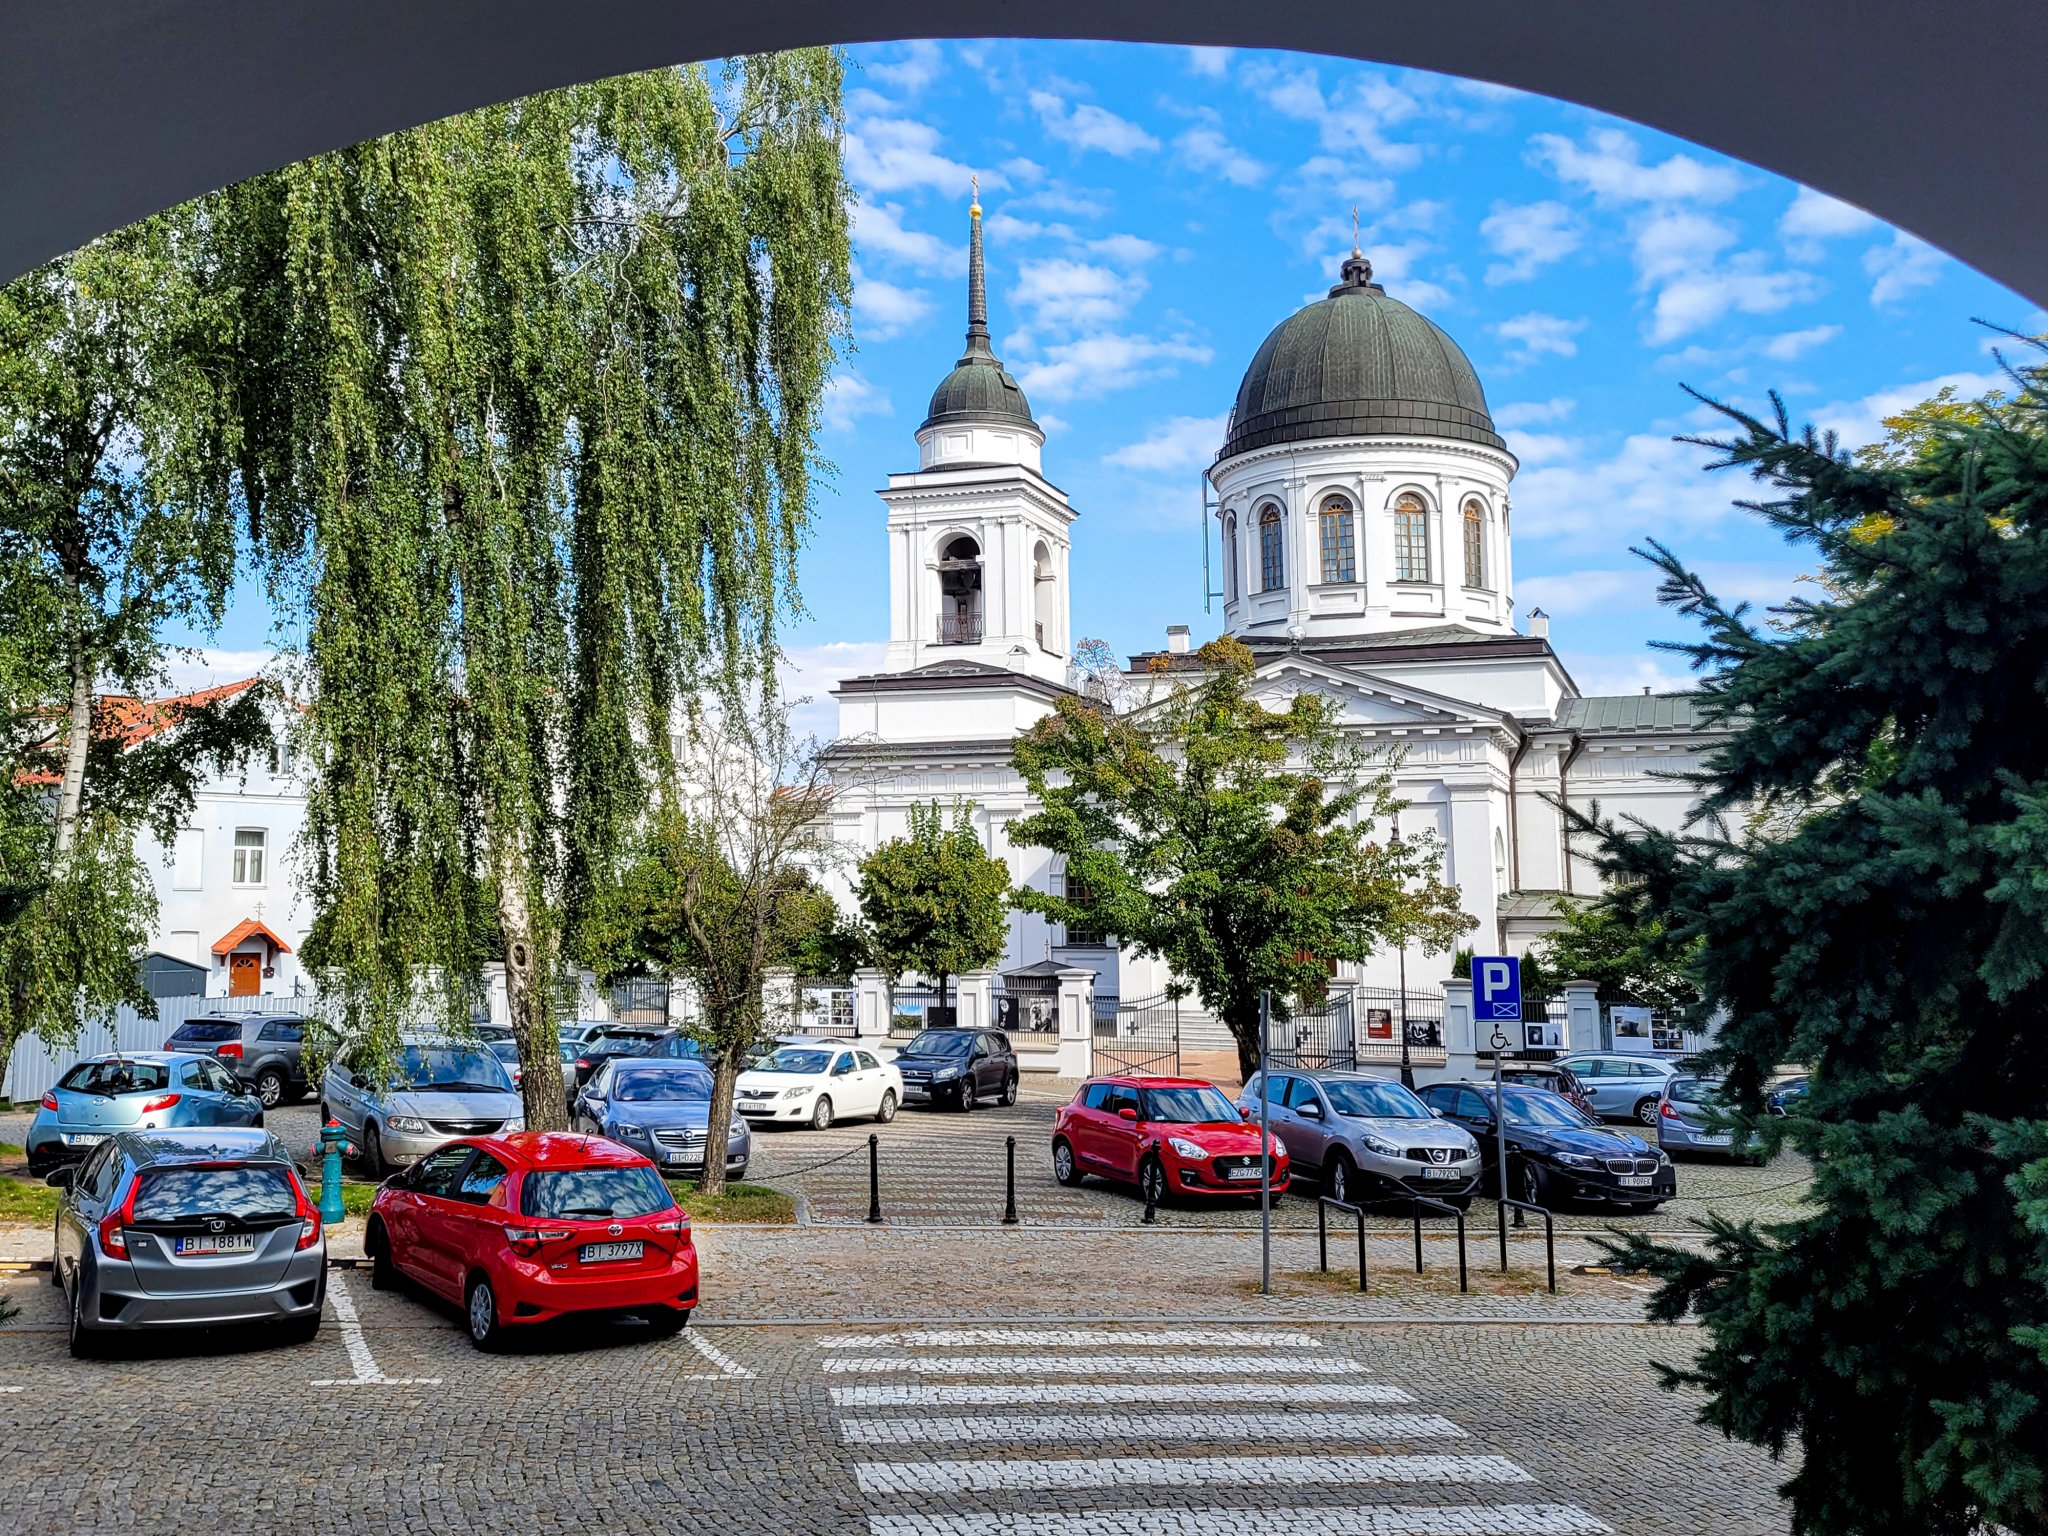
(1167, 1135)
(534, 1225)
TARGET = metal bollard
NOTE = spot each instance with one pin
(1151, 1216)
(874, 1181)
(1010, 1206)
(332, 1139)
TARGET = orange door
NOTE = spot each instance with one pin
(245, 975)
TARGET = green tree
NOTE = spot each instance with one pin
(934, 901)
(116, 525)
(529, 412)
(1893, 934)
(1630, 961)
(721, 885)
(1233, 841)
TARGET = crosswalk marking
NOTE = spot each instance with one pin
(1078, 1395)
(1032, 1476)
(1074, 1338)
(1370, 1520)
(1040, 1427)
(1097, 1365)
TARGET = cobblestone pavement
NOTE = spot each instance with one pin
(390, 1423)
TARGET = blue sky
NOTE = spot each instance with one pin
(1152, 212)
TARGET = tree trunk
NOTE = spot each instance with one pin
(943, 979)
(725, 1070)
(533, 1021)
(1241, 1015)
(77, 742)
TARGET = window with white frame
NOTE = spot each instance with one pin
(1079, 935)
(1230, 558)
(1339, 539)
(1272, 556)
(252, 844)
(1475, 543)
(1411, 539)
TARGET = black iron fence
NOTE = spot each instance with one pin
(1361, 1026)
(821, 1005)
(1139, 1036)
(641, 1002)
(1021, 1012)
(908, 1006)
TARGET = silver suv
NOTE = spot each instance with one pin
(1366, 1138)
(432, 1092)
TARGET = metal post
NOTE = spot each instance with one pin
(1323, 1233)
(332, 1139)
(874, 1180)
(1416, 1210)
(1500, 1146)
(1265, 1153)
(1010, 1207)
(1407, 1067)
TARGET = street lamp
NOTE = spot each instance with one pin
(1401, 928)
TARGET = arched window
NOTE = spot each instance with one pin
(1045, 598)
(1230, 558)
(1411, 539)
(1475, 543)
(1272, 558)
(1338, 540)
(960, 592)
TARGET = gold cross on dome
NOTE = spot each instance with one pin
(976, 179)
(1354, 231)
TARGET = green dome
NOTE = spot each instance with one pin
(979, 389)
(1358, 363)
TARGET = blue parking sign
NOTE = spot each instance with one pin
(1496, 987)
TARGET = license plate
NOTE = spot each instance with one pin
(230, 1242)
(84, 1138)
(610, 1253)
(1440, 1173)
(1241, 1173)
(1634, 1181)
(1713, 1141)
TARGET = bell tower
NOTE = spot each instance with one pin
(978, 537)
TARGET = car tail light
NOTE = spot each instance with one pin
(526, 1241)
(50, 1099)
(1668, 1110)
(114, 1226)
(163, 1102)
(308, 1214)
(233, 1048)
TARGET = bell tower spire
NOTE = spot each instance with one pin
(977, 283)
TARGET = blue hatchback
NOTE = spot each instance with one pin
(145, 1090)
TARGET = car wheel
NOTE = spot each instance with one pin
(821, 1115)
(1458, 1202)
(887, 1111)
(372, 1152)
(377, 1244)
(1010, 1089)
(1340, 1182)
(667, 1322)
(85, 1344)
(481, 1313)
(967, 1096)
(270, 1087)
(1152, 1181)
(1532, 1187)
(1064, 1168)
(1646, 1112)
(300, 1330)
(1652, 1206)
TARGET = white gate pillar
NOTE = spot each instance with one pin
(870, 1003)
(1581, 1016)
(1461, 1041)
(1077, 1020)
(974, 996)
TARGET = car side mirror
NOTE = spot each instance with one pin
(1310, 1111)
(1435, 1113)
(60, 1178)
(1245, 1111)
(1127, 1113)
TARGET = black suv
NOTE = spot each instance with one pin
(265, 1050)
(964, 1067)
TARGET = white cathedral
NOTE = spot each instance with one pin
(1364, 509)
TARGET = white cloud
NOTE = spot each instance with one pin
(1685, 256)
(1534, 413)
(1070, 295)
(1206, 150)
(885, 310)
(1862, 421)
(1900, 267)
(893, 154)
(1359, 116)
(1599, 673)
(1132, 250)
(921, 64)
(1536, 334)
(209, 668)
(1087, 126)
(1576, 592)
(1530, 236)
(849, 397)
(1610, 166)
(1788, 345)
(1181, 443)
(1649, 485)
(1290, 90)
(878, 230)
(809, 673)
(1211, 62)
(1814, 217)
(1096, 365)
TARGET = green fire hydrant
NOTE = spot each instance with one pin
(332, 1139)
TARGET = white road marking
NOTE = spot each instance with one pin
(1089, 1394)
(1096, 1365)
(911, 1477)
(1374, 1520)
(1057, 1427)
(13, 1389)
(1066, 1338)
(729, 1369)
(367, 1373)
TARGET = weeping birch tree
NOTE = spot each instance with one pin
(530, 418)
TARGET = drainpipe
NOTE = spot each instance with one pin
(1564, 837)
(1514, 839)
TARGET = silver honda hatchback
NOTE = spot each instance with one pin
(187, 1228)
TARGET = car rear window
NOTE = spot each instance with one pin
(594, 1192)
(248, 1191)
(1696, 1090)
(113, 1078)
(206, 1032)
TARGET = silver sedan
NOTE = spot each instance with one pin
(1366, 1138)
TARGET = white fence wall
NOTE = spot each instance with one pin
(35, 1067)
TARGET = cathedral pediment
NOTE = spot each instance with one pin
(1366, 700)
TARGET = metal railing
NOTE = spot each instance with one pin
(1415, 1205)
(1357, 1213)
(1501, 1209)
(959, 629)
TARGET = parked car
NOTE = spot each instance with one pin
(661, 1109)
(507, 1052)
(187, 1228)
(1552, 1076)
(265, 1050)
(1788, 1094)
(1691, 1119)
(1365, 1137)
(1167, 1135)
(1622, 1087)
(531, 1226)
(1556, 1152)
(145, 1090)
(817, 1083)
(961, 1067)
(614, 1040)
(430, 1094)
(577, 1031)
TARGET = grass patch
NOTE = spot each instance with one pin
(26, 1201)
(740, 1202)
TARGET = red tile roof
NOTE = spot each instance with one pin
(129, 720)
(248, 928)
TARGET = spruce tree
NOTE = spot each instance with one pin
(1885, 921)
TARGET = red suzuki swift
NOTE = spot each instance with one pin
(533, 1225)
(1167, 1135)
